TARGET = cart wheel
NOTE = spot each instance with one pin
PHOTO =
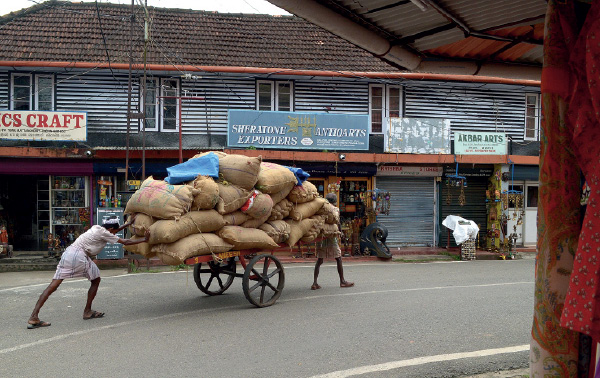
(211, 275)
(263, 280)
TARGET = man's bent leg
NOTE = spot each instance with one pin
(34, 318)
(87, 311)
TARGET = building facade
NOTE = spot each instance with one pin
(141, 118)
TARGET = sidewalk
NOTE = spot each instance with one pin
(38, 261)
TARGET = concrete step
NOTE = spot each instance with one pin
(27, 267)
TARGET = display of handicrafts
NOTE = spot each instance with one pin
(456, 181)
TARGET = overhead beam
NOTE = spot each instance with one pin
(372, 42)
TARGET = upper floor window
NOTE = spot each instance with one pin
(32, 92)
(160, 103)
(274, 95)
(532, 116)
(150, 103)
(385, 102)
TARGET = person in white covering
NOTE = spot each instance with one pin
(76, 262)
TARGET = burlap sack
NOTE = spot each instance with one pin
(258, 206)
(315, 230)
(192, 245)
(255, 223)
(169, 231)
(168, 260)
(303, 193)
(331, 213)
(306, 210)
(278, 230)
(246, 238)
(141, 223)
(330, 230)
(240, 170)
(281, 210)
(143, 249)
(298, 229)
(207, 195)
(235, 219)
(274, 178)
(220, 154)
(278, 196)
(231, 198)
(161, 200)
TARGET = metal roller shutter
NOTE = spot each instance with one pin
(474, 209)
(412, 211)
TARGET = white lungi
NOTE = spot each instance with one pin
(76, 263)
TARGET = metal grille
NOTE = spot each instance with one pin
(412, 212)
(493, 109)
(475, 208)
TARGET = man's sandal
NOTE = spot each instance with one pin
(38, 325)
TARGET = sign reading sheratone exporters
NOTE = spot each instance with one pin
(43, 126)
(478, 143)
(295, 130)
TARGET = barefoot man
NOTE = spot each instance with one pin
(329, 247)
(76, 262)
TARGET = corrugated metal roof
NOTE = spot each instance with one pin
(521, 21)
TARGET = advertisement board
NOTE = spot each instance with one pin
(418, 136)
(295, 130)
(111, 250)
(43, 126)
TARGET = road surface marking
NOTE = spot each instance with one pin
(116, 325)
(406, 290)
(420, 361)
(139, 320)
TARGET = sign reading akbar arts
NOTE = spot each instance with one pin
(479, 143)
(43, 126)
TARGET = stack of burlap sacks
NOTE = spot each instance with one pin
(253, 205)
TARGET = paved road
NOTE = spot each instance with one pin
(400, 320)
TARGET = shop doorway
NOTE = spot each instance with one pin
(530, 218)
(19, 210)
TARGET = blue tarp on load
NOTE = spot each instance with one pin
(207, 165)
(301, 176)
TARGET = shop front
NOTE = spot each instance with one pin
(412, 216)
(522, 212)
(353, 185)
(466, 201)
(44, 202)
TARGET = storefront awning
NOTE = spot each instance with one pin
(46, 167)
(135, 168)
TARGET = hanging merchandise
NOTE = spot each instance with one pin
(380, 202)
(514, 198)
(458, 181)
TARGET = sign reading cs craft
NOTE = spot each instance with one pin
(477, 143)
(42, 126)
(317, 131)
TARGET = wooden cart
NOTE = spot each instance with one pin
(262, 280)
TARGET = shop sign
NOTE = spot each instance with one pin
(398, 170)
(469, 172)
(111, 250)
(43, 126)
(295, 130)
(418, 136)
(478, 143)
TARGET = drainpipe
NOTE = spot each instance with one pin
(339, 25)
